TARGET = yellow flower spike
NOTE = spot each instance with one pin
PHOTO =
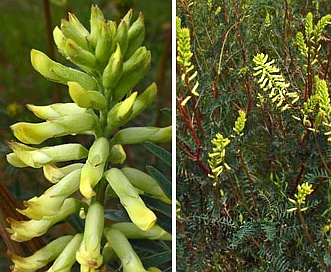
(145, 182)
(88, 255)
(123, 249)
(41, 257)
(67, 258)
(140, 215)
(26, 230)
(37, 158)
(86, 99)
(136, 135)
(55, 111)
(131, 231)
(50, 202)
(113, 70)
(59, 73)
(117, 154)
(54, 174)
(93, 169)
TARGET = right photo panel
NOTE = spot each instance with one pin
(253, 128)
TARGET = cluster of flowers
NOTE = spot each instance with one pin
(111, 62)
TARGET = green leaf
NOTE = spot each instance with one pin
(157, 205)
(159, 152)
(164, 183)
(157, 259)
(167, 111)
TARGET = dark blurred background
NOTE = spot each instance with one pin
(23, 27)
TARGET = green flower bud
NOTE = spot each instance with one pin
(93, 169)
(139, 57)
(143, 100)
(129, 80)
(67, 258)
(75, 31)
(123, 249)
(88, 254)
(59, 73)
(54, 174)
(136, 35)
(120, 113)
(106, 42)
(60, 41)
(140, 215)
(117, 154)
(122, 32)
(136, 135)
(131, 231)
(145, 182)
(50, 202)
(113, 70)
(36, 133)
(26, 230)
(54, 111)
(86, 99)
(96, 18)
(41, 257)
(36, 158)
(82, 58)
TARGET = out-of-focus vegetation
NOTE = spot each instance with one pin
(23, 27)
(253, 156)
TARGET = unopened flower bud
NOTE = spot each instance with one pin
(96, 19)
(106, 42)
(140, 215)
(145, 182)
(131, 231)
(117, 154)
(26, 230)
(86, 99)
(93, 169)
(88, 254)
(120, 113)
(113, 70)
(136, 135)
(130, 79)
(136, 35)
(67, 258)
(36, 158)
(122, 32)
(81, 57)
(123, 249)
(55, 111)
(36, 133)
(50, 202)
(59, 73)
(75, 31)
(54, 174)
(41, 257)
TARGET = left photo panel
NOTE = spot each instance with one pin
(86, 136)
